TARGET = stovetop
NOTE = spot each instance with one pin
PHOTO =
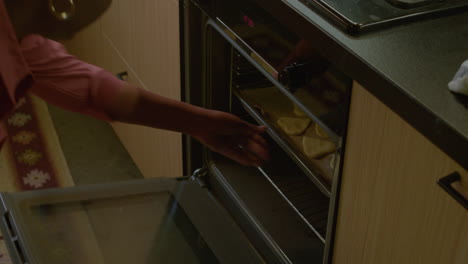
(357, 16)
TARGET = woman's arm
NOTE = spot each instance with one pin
(221, 132)
(65, 81)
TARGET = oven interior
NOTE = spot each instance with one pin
(286, 207)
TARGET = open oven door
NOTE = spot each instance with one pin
(143, 221)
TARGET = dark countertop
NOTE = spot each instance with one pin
(407, 67)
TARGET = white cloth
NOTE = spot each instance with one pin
(459, 84)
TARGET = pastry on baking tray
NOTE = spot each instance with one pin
(315, 147)
(298, 112)
(293, 126)
(320, 132)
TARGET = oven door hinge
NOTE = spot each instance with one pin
(199, 175)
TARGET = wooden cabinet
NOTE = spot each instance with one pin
(391, 208)
(145, 33)
(142, 38)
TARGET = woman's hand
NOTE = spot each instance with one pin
(221, 132)
(238, 140)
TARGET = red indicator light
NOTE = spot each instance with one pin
(248, 21)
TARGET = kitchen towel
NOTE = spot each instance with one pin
(459, 84)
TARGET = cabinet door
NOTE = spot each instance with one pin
(145, 33)
(142, 38)
(391, 208)
(157, 153)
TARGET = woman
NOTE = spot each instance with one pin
(31, 62)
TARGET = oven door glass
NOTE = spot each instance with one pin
(144, 221)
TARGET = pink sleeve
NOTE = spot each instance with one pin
(65, 81)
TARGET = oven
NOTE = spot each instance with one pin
(256, 68)
(240, 59)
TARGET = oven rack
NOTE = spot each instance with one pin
(313, 175)
(268, 71)
(312, 207)
(306, 199)
(288, 181)
(246, 192)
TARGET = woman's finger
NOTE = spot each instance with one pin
(250, 129)
(258, 146)
(260, 140)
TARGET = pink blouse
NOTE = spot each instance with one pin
(44, 67)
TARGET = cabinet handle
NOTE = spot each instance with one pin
(122, 75)
(446, 184)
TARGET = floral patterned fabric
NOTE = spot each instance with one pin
(33, 165)
(29, 155)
